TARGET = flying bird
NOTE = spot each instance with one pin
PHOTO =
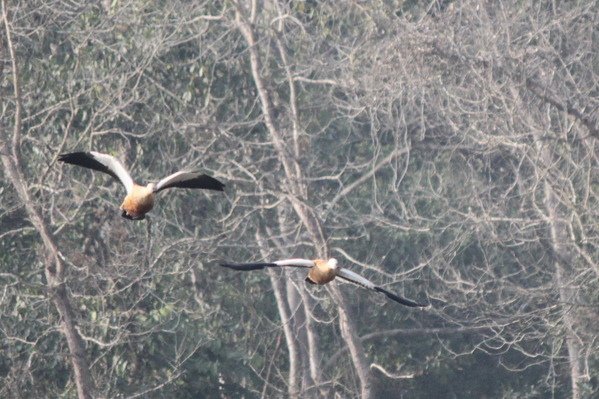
(139, 199)
(322, 272)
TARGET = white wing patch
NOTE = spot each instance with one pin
(175, 178)
(115, 166)
(295, 262)
(355, 278)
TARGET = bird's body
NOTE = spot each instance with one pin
(322, 272)
(139, 202)
(139, 199)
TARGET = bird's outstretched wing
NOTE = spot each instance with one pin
(247, 266)
(305, 263)
(100, 162)
(359, 280)
(189, 180)
(399, 299)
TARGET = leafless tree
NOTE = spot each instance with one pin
(446, 149)
(474, 87)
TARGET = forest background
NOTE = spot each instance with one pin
(446, 150)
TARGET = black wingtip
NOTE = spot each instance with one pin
(399, 299)
(209, 183)
(247, 266)
(73, 157)
(202, 181)
(218, 186)
(86, 160)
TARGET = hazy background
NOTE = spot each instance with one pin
(444, 149)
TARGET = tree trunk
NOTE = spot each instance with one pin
(293, 379)
(564, 260)
(54, 271)
(299, 330)
(304, 325)
(354, 344)
(313, 352)
(297, 191)
(53, 265)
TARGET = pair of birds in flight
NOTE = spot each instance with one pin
(140, 200)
